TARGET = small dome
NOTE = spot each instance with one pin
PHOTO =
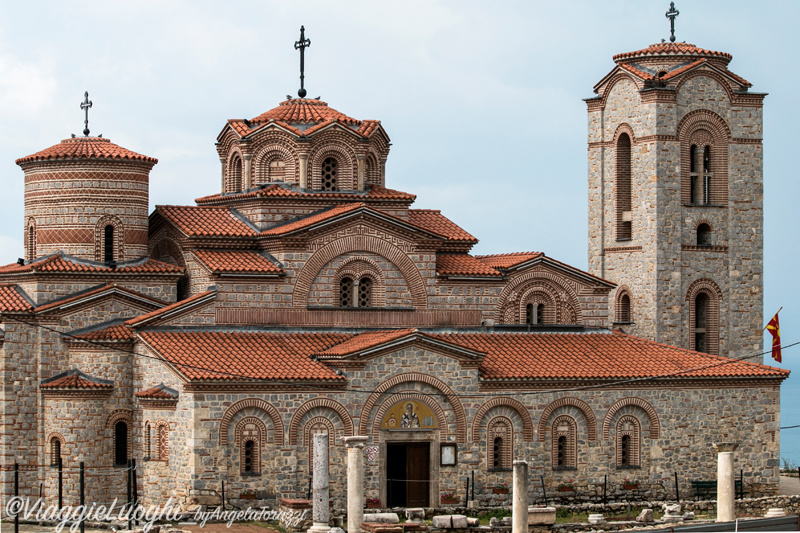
(303, 111)
(672, 51)
(86, 148)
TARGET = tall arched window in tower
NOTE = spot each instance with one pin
(701, 322)
(120, 444)
(31, 242)
(365, 292)
(108, 243)
(234, 181)
(329, 174)
(346, 292)
(564, 443)
(623, 185)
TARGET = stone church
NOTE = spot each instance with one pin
(210, 342)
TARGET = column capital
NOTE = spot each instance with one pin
(725, 446)
(520, 463)
(355, 441)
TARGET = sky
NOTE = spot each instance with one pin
(482, 101)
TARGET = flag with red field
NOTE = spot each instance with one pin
(775, 330)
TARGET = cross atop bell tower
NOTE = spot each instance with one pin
(671, 14)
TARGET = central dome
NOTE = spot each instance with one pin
(303, 111)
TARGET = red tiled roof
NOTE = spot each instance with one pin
(12, 300)
(375, 192)
(206, 221)
(672, 49)
(236, 356)
(159, 392)
(640, 73)
(113, 333)
(188, 302)
(86, 148)
(312, 219)
(364, 341)
(60, 263)
(75, 379)
(238, 261)
(433, 220)
(96, 291)
(679, 71)
(507, 260)
(595, 356)
(303, 111)
(463, 265)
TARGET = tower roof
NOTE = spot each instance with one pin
(86, 148)
(303, 111)
(672, 51)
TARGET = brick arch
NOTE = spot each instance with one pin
(345, 159)
(234, 172)
(709, 287)
(408, 395)
(267, 407)
(265, 155)
(350, 268)
(688, 127)
(655, 425)
(359, 243)
(452, 398)
(124, 415)
(704, 119)
(583, 407)
(100, 239)
(519, 407)
(507, 300)
(328, 426)
(333, 405)
(168, 247)
(616, 78)
(623, 290)
(624, 127)
(539, 293)
(708, 74)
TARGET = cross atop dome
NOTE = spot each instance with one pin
(301, 45)
(671, 14)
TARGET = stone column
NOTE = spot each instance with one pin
(303, 171)
(247, 178)
(320, 513)
(726, 488)
(519, 512)
(222, 162)
(355, 482)
(361, 179)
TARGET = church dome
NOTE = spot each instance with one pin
(86, 148)
(299, 111)
(671, 52)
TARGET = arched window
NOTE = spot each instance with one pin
(276, 170)
(234, 181)
(701, 322)
(346, 292)
(251, 434)
(564, 443)
(249, 456)
(501, 440)
(55, 451)
(329, 174)
(534, 314)
(628, 442)
(624, 185)
(624, 311)
(704, 235)
(365, 292)
(108, 243)
(120, 444)
(147, 444)
(31, 242)
(162, 442)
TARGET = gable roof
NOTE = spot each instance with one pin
(433, 220)
(505, 261)
(245, 355)
(115, 332)
(86, 148)
(173, 309)
(14, 299)
(464, 265)
(75, 379)
(204, 221)
(285, 190)
(236, 262)
(61, 262)
(159, 392)
(95, 293)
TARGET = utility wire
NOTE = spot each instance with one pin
(220, 373)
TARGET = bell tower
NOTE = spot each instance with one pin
(675, 181)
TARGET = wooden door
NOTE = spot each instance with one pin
(418, 474)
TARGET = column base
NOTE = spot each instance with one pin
(319, 527)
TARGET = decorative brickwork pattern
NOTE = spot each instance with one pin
(583, 407)
(703, 128)
(655, 425)
(714, 294)
(268, 408)
(628, 442)
(250, 436)
(519, 407)
(564, 443)
(500, 441)
(327, 403)
(275, 162)
(452, 398)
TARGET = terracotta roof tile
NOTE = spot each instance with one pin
(63, 263)
(113, 333)
(433, 220)
(503, 261)
(206, 221)
(75, 379)
(375, 192)
(159, 392)
(86, 148)
(463, 265)
(672, 49)
(174, 307)
(363, 341)
(236, 261)
(637, 72)
(303, 111)
(312, 219)
(236, 356)
(557, 356)
(11, 299)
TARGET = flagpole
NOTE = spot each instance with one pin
(776, 314)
